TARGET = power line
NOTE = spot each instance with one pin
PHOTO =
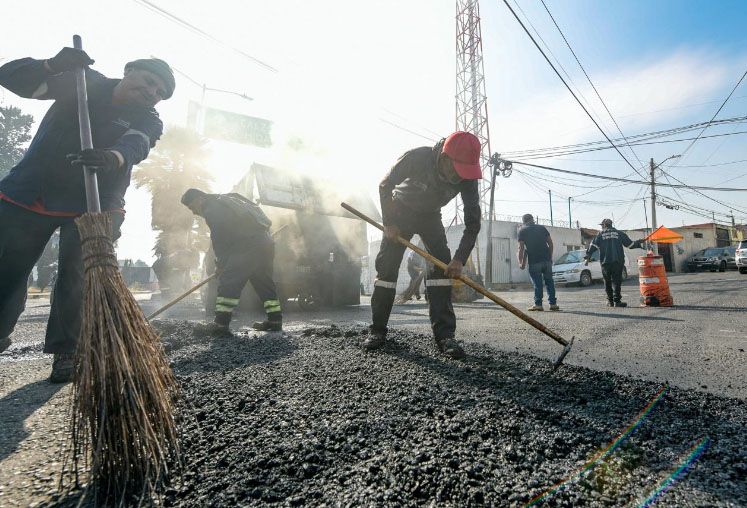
(408, 130)
(596, 149)
(175, 19)
(590, 82)
(639, 182)
(714, 115)
(569, 88)
(647, 136)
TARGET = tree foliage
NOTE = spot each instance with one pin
(177, 163)
(15, 128)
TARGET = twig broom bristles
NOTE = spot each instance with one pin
(123, 429)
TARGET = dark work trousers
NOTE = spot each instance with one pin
(253, 263)
(612, 273)
(414, 274)
(23, 235)
(438, 286)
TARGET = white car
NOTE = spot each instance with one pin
(570, 269)
(741, 256)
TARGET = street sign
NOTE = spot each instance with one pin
(229, 126)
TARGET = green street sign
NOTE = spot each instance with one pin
(228, 126)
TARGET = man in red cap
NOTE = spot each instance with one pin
(423, 181)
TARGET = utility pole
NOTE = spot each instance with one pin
(570, 221)
(653, 197)
(551, 222)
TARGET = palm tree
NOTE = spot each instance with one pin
(176, 164)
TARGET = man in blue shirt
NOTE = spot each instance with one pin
(610, 243)
(535, 243)
(45, 190)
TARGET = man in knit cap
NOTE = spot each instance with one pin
(45, 190)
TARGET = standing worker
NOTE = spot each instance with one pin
(415, 266)
(535, 243)
(412, 194)
(610, 243)
(244, 251)
(46, 191)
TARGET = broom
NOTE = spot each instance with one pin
(123, 432)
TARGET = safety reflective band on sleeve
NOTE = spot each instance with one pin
(135, 132)
(272, 306)
(438, 282)
(385, 284)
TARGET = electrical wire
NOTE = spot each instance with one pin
(713, 117)
(590, 82)
(185, 24)
(569, 88)
(682, 185)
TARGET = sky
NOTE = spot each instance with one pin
(361, 82)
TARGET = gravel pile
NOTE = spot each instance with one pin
(306, 418)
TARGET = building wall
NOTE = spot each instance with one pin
(686, 247)
(564, 239)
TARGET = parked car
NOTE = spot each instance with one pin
(570, 269)
(731, 257)
(741, 256)
(712, 258)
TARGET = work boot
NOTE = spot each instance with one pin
(268, 325)
(610, 303)
(211, 330)
(621, 304)
(554, 306)
(375, 340)
(4, 344)
(450, 348)
(539, 308)
(63, 367)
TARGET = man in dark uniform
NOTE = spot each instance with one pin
(610, 243)
(412, 194)
(244, 251)
(45, 190)
(415, 266)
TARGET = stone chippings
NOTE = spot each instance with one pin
(307, 418)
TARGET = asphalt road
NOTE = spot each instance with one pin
(697, 345)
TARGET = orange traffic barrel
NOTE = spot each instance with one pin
(652, 279)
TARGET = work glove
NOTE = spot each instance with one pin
(101, 160)
(69, 59)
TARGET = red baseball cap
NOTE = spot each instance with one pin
(463, 149)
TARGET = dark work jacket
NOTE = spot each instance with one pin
(413, 184)
(44, 172)
(610, 243)
(231, 233)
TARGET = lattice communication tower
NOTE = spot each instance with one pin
(471, 99)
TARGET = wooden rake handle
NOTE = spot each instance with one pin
(513, 310)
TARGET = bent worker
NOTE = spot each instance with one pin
(535, 246)
(412, 194)
(610, 243)
(244, 251)
(46, 190)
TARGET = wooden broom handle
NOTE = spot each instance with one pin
(513, 310)
(93, 203)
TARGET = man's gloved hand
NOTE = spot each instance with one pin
(103, 160)
(69, 59)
